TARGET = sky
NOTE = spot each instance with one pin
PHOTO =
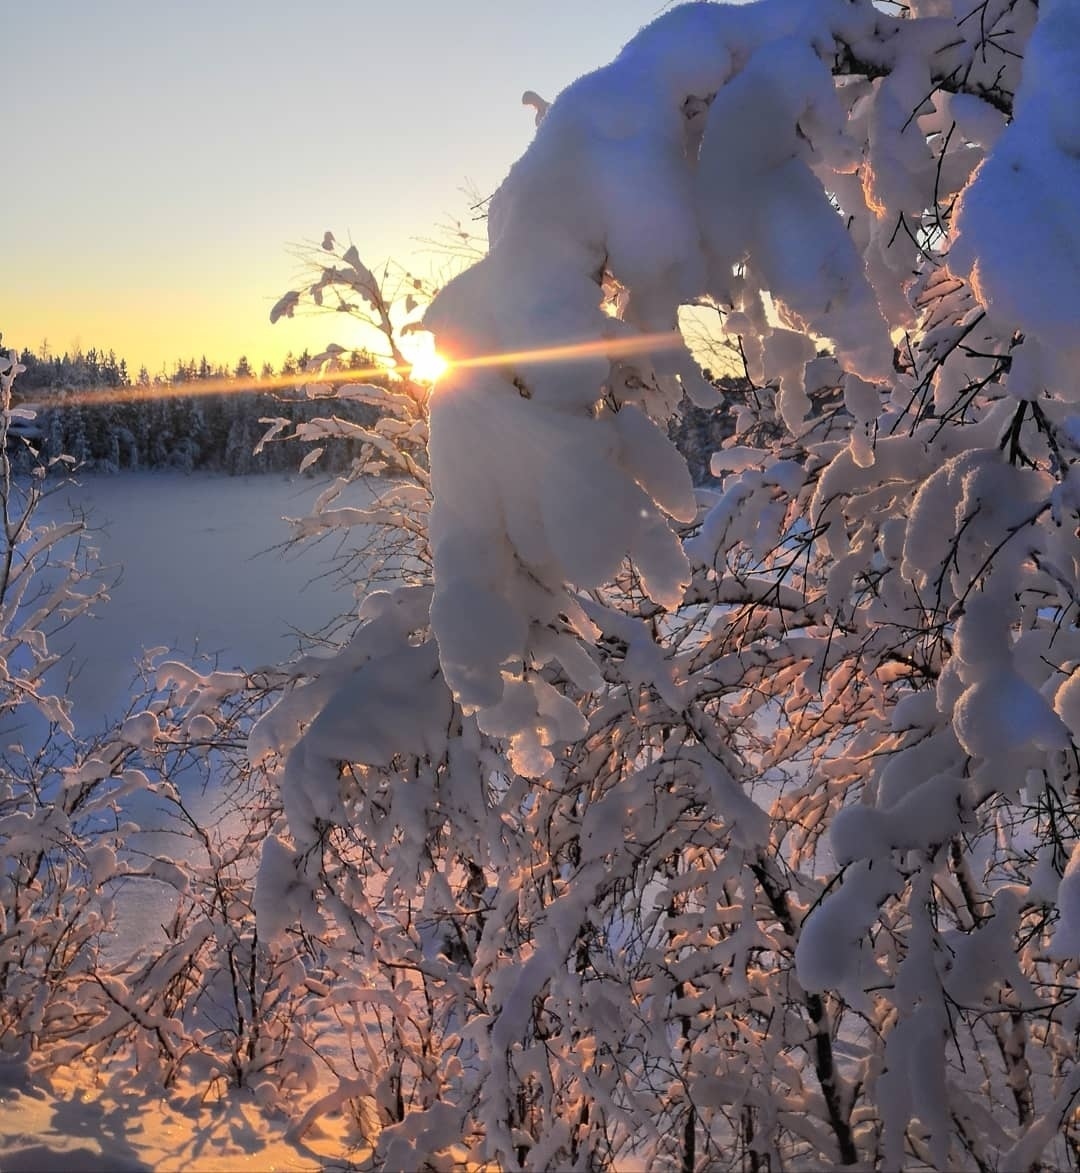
(165, 160)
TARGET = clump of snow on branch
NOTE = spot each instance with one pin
(621, 184)
(776, 775)
(1018, 238)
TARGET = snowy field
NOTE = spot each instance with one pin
(201, 569)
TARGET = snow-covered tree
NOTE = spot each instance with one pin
(662, 827)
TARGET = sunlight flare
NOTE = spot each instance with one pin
(426, 366)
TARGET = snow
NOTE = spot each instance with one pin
(383, 697)
(715, 156)
(202, 568)
(1066, 941)
(174, 541)
(1018, 233)
(777, 214)
(831, 953)
(1005, 715)
(81, 1126)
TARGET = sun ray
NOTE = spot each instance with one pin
(426, 369)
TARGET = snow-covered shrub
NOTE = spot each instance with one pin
(733, 827)
(91, 825)
(62, 834)
(50, 870)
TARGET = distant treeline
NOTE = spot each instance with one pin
(151, 423)
(89, 408)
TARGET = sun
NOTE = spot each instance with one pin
(428, 368)
(427, 364)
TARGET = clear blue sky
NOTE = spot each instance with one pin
(161, 157)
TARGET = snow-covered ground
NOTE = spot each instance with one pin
(81, 1127)
(201, 568)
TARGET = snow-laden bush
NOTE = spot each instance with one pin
(737, 828)
(57, 848)
(93, 826)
